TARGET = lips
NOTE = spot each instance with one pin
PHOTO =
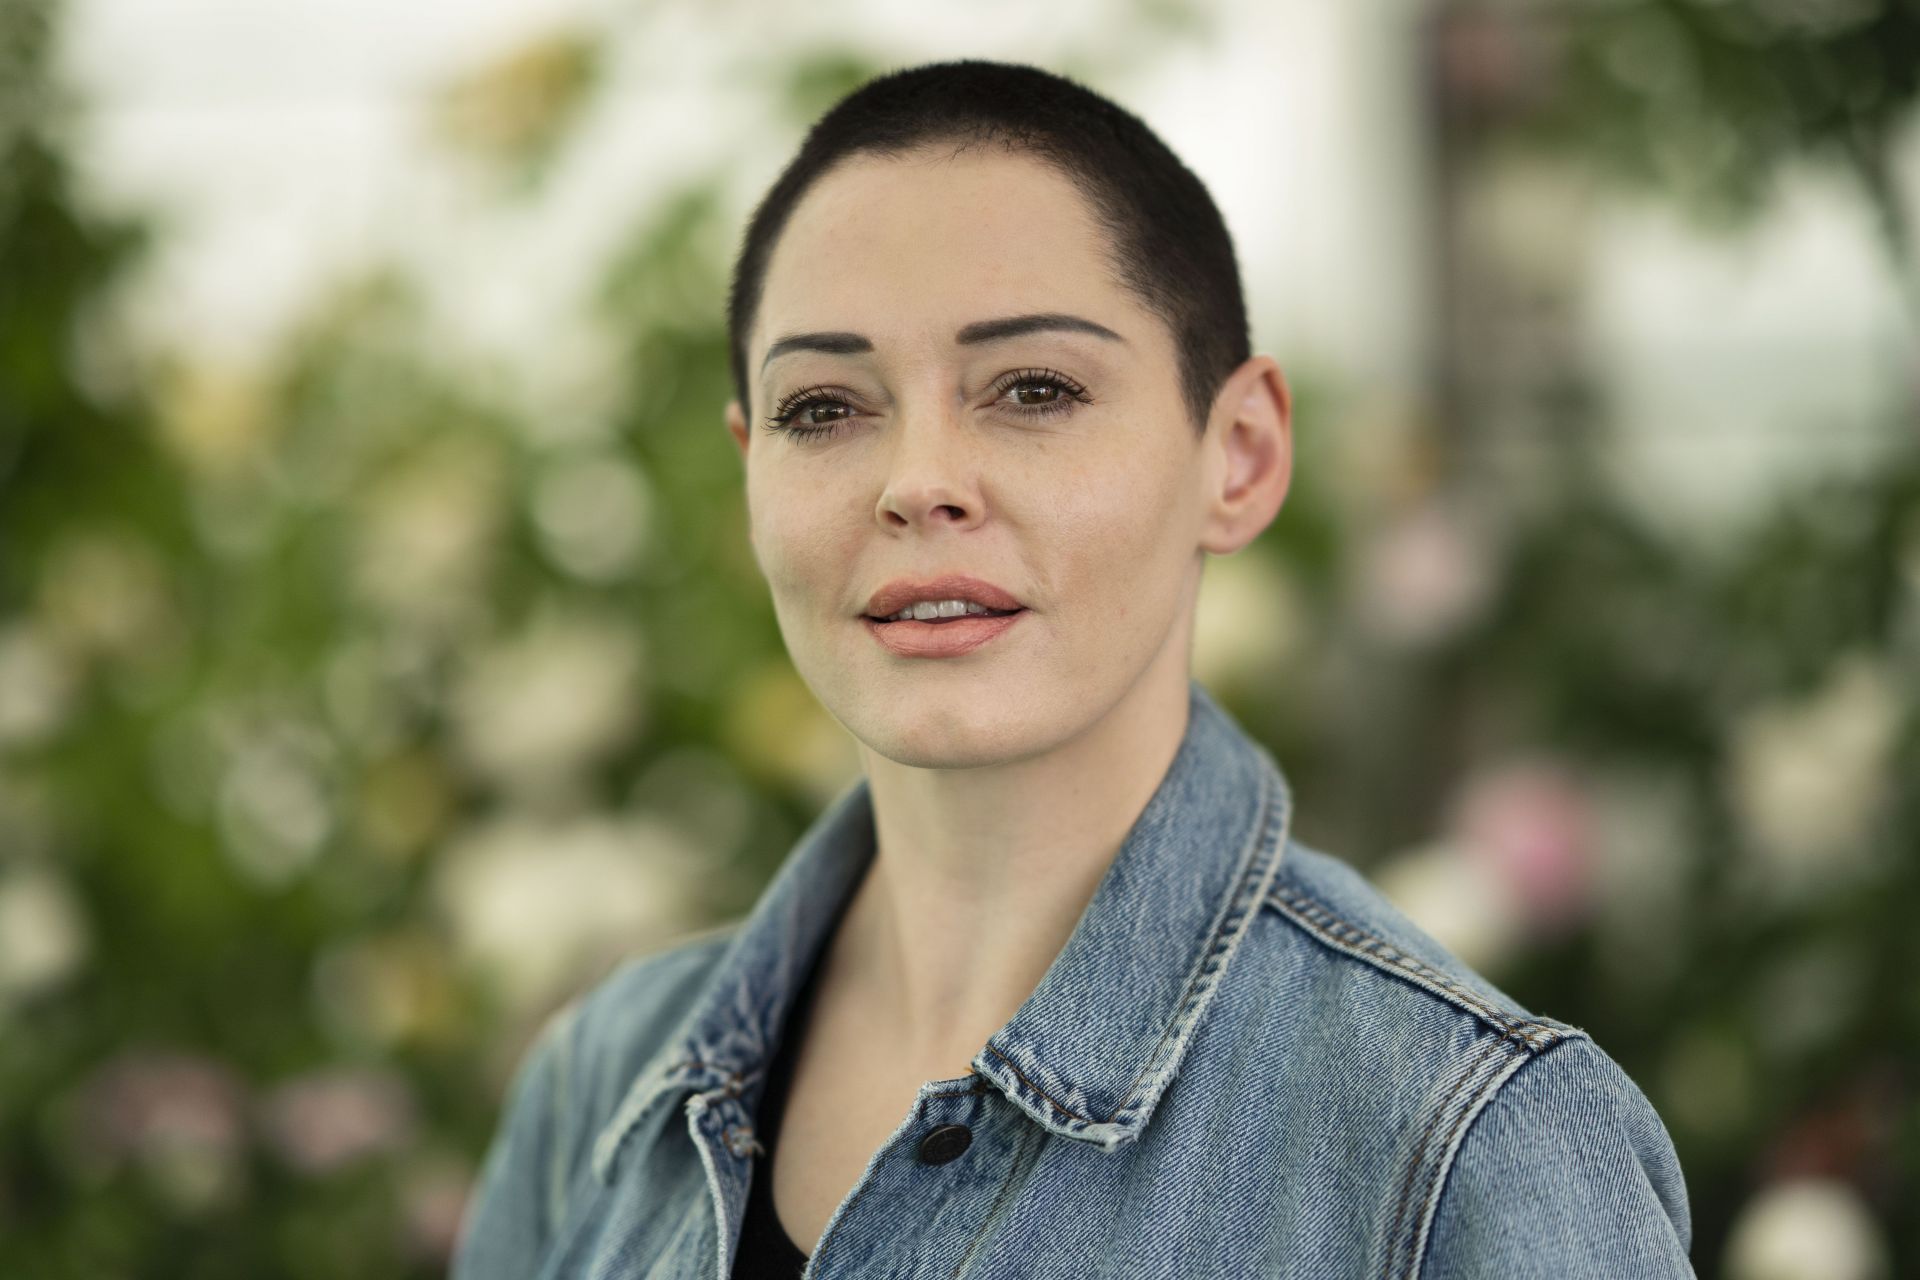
(901, 592)
(953, 638)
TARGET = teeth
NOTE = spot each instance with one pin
(927, 609)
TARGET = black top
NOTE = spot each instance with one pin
(766, 1251)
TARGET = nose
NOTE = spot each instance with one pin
(932, 474)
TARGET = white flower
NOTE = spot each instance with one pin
(593, 511)
(1810, 780)
(1458, 899)
(274, 809)
(37, 684)
(105, 591)
(43, 935)
(534, 904)
(534, 711)
(1806, 1229)
(428, 531)
(1249, 622)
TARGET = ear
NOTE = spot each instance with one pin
(737, 426)
(1250, 438)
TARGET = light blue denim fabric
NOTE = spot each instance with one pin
(1244, 1062)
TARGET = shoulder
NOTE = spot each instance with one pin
(587, 1056)
(617, 1025)
(1509, 1124)
(651, 985)
(1356, 931)
(570, 1078)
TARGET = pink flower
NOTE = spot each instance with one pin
(329, 1118)
(1426, 574)
(1532, 824)
(178, 1116)
(433, 1198)
(148, 1099)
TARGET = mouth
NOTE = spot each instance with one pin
(952, 637)
(948, 590)
(937, 622)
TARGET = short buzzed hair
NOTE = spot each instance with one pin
(1166, 240)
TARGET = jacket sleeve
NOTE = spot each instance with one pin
(519, 1195)
(1568, 1173)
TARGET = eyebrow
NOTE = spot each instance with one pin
(841, 343)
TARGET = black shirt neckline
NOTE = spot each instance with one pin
(766, 1251)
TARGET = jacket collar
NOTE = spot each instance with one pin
(1151, 947)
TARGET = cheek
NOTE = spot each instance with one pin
(799, 537)
(1118, 550)
(1121, 521)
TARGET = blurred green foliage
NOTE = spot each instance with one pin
(350, 718)
(1706, 102)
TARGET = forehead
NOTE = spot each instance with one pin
(912, 247)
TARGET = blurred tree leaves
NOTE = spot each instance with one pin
(516, 112)
(345, 660)
(1705, 101)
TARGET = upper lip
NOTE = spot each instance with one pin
(901, 592)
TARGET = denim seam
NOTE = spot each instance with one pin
(1313, 916)
(635, 1108)
(987, 1222)
(1202, 979)
(978, 1086)
(1449, 1151)
(1047, 1097)
(695, 1110)
(1470, 1068)
(641, 1097)
(1260, 861)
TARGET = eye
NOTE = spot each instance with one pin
(1066, 392)
(805, 404)
(800, 404)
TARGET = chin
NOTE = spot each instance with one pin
(918, 750)
(999, 728)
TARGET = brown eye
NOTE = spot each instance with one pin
(1029, 388)
(802, 405)
(806, 414)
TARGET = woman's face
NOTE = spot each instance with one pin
(979, 457)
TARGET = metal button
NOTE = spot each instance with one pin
(945, 1143)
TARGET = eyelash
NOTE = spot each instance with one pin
(793, 405)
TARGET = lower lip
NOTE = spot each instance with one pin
(912, 639)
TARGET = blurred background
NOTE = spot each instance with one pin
(382, 657)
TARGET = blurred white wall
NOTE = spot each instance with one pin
(1741, 366)
(283, 136)
(284, 140)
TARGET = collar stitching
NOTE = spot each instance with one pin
(1051, 1100)
(613, 1136)
(1203, 979)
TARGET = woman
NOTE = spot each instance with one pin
(1049, 991)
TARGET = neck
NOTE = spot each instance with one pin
(980, 875)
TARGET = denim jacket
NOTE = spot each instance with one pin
(1244, 1062)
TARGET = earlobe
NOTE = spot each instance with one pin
(737, 427)
(1258, 446)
